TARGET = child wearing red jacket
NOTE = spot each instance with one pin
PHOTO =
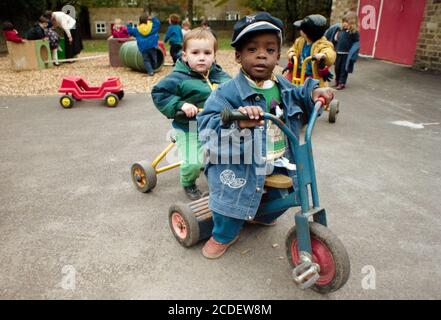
(11, 34)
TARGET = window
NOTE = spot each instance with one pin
(232, 15)
(100, 27)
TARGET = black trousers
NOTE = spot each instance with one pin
(74, 48)
(175, 51)
(341, 75)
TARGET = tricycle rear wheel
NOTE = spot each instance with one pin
(328, 252)
(183, 224)
(66, 101)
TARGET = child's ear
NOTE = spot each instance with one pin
(238, 57)
(184, 56)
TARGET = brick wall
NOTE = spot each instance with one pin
(340, 7)
(428, 53)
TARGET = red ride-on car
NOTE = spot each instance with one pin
(76, 88)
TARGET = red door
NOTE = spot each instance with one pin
(399, 30)
(368, 18)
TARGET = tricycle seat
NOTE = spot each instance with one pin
(278, 181)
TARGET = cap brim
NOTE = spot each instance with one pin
(298, 23)
(264, 26)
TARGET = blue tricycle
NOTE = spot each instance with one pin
(318, 258)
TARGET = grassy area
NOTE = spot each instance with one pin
(101, 45)
(95, 46)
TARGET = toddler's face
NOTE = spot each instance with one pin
(345, 25)
(259, 56)
(199, 54)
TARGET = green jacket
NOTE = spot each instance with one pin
(185, 85)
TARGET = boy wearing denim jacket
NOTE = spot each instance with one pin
(236, 186)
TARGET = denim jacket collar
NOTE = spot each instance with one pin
(246, 91)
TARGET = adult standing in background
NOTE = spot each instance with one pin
(72, 35)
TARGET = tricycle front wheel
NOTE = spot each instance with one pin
(328, 252)
(334, 109)
(144, 176)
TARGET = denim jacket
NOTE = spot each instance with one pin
(236, 166)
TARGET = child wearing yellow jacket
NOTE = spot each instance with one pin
(313, 43)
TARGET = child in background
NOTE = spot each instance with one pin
(11, 34)
(37, 32)
(54, 40)
(346, 39)
(185, 27)
(187, 88)
(174, 35)
(236, 187)
(147, 38)
(313, 43)
(119, 31)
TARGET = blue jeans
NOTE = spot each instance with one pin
(149, 57)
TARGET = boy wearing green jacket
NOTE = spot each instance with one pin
(187, 88)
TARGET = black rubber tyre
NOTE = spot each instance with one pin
(183, 224)
(322, 236)
(66, 101)
(112, 100)
(144, 176)
(120, 94)
(334, 108)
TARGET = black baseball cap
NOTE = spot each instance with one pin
(262, 21)
(314, 26)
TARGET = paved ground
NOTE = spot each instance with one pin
(68, 206)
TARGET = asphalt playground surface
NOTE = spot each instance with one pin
(73, 226)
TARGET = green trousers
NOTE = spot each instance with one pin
(191, 154)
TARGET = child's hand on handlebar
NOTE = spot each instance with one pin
(327, 93)
(189, 109)
(255, 113)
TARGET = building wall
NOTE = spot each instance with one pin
(340, 7)
(108, 15)
(208, 10)
(428, 54)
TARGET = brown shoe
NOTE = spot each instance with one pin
(213, 249)
(272, 223)
(340, 86)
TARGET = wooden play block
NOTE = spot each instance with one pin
(114, 46)
(31, 55)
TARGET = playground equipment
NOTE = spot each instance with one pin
(130, 56)
(298, 79)
(30, 55)
(76, 88)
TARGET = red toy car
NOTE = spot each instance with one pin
(76, 88)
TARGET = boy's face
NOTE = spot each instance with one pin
(259, 56)
(199, 54)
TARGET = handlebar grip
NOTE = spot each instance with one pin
(322, 100)
(229, 116)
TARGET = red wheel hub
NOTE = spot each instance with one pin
(179, 225)
(320, 255)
